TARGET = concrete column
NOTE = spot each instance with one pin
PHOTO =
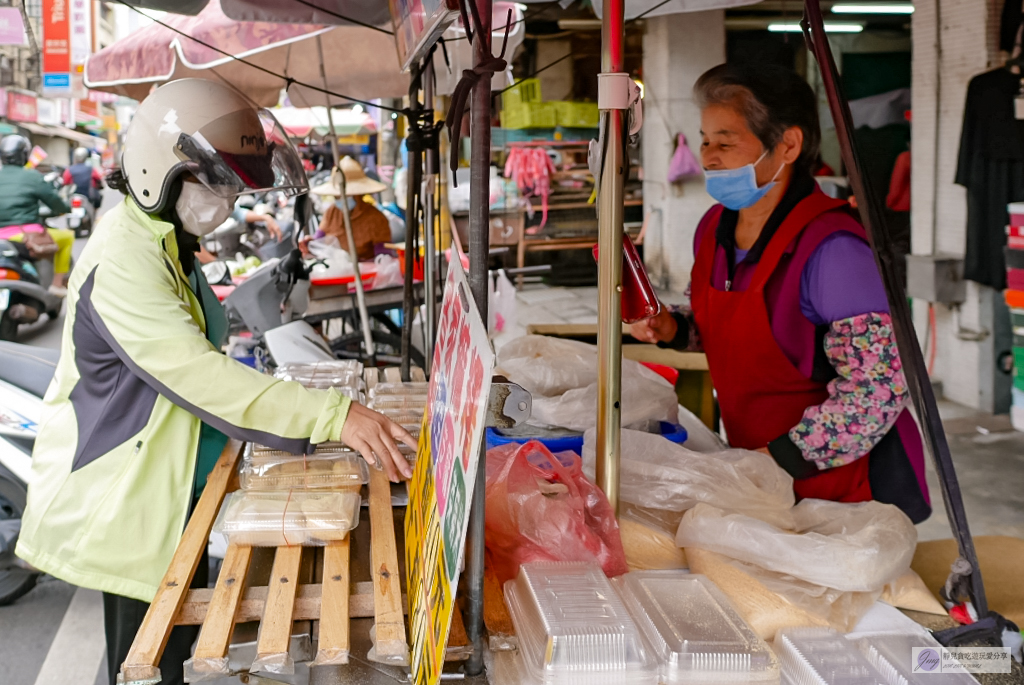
(678, 48)
(952, 42)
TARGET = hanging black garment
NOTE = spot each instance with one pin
(991, 168)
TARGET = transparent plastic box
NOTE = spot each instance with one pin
(821, 656)
(695, 632)
(335, 470)
(403, 416)
(892, 656)
(402, 389)
(399, 403)
(574, 629)
(295, 517)
(329, 374)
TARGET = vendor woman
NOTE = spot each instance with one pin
(788, 304)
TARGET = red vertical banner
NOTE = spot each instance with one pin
(56, 45)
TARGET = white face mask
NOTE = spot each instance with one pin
(200, 210)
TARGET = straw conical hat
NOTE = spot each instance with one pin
(356, 181)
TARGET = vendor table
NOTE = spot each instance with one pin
(334, 301)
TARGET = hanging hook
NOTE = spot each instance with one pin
(504, 41)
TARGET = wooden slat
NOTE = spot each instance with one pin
(307, 605)
(652, 354)
(215, 634)
(334, 638)
(278, 612)
(144, 656)
(387, 589)
(496, 618)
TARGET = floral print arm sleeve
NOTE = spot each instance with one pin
(864, 401)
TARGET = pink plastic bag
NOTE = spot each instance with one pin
(540, 507)
(683, 163)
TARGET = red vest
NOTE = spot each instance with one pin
(762, 395)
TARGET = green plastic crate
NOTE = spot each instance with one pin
(529, 115)
(577, 114)
(527, 90)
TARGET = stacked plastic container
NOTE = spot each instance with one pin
(288, 499)
(1014, 253)
(403, 403)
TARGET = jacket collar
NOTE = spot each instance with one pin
(158, 228)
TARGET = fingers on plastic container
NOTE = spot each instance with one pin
(333, 470)
(694, 630)
(281, 519)
(574, 629)
(819, 656)
(203, 670)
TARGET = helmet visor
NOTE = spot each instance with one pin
(244, 152)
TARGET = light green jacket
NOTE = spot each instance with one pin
(115, 459)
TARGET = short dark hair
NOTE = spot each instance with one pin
(771, 99)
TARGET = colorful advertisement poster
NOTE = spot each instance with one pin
(21, 107)
(56, 48)
(441, 488)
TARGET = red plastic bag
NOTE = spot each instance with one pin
(540, 507)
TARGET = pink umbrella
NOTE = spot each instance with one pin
(358, 61)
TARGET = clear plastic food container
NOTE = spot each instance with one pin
(695, 632)
(322, 375)
(574, 629)
(406, 389)
(399, 403)
(892, 656)
(296, 517)
(336, 470)
(820, 656)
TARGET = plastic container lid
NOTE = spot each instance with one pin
(694, 630)
(295, 517)
(574, 629)
(338, 470)
(891, 655)
(411, 388)
(399, 402)
(820, 656)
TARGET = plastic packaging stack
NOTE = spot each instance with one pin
(290, 517)
(819, 656)
(324, 469)
(574, 629)
(339, 373)
(694, 631)
(1014, 296)
(891, 656)
(403, 403)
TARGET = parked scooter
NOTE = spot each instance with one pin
(24, 289)
(25, 373)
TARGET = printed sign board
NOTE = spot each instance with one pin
(56, 48)
(12, 28)
(441, 488)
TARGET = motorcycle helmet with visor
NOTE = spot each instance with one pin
(205, 128)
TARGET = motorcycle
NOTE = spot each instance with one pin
(24, 289)
(25, 373)
(83, 215)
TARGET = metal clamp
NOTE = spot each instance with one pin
(509, 404)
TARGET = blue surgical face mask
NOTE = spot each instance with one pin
(737, 188)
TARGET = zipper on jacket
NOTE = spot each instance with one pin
(138, 446)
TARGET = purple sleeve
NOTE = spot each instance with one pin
(841, 281)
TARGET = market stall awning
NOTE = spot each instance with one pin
(62, 132)
(300, 122)
(359, 62)
(373, 12)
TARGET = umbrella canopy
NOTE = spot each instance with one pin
(373, 12)
(300, 122)
(359, 62)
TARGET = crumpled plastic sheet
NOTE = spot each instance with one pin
(280, 663)
(851, 547)
(203, 670)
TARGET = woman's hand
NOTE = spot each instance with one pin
(660, 328)
(373, 435)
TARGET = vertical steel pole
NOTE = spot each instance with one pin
(479, 239)
(609, 268)
(414, 174)
(433, 164)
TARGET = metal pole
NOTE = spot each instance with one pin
(433, 164)
(609, 268)
(364, 316)
(479, 246)
(414, 174)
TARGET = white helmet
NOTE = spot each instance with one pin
(207, 129)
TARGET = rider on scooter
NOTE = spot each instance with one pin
(143, 399)
(21, 191)
(87, 179)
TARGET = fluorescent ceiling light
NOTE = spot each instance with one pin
(830, 27)
(881, 8)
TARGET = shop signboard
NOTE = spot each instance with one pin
(21, 107)
(56, 48)
(81, 44)
(441, 488)
(48, 112)
(418, 24)
(12, 28)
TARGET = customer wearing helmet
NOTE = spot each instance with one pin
(142, 398)
(88, 179)
(21, 191)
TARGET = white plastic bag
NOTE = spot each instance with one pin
(389, 272)
(562, 376)
(849, 547)
(337, 262)
(658, 474)
(501, 310)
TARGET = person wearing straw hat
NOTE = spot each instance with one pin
(370, 228)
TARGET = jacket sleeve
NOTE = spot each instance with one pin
(49, 197)
(143, 315)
